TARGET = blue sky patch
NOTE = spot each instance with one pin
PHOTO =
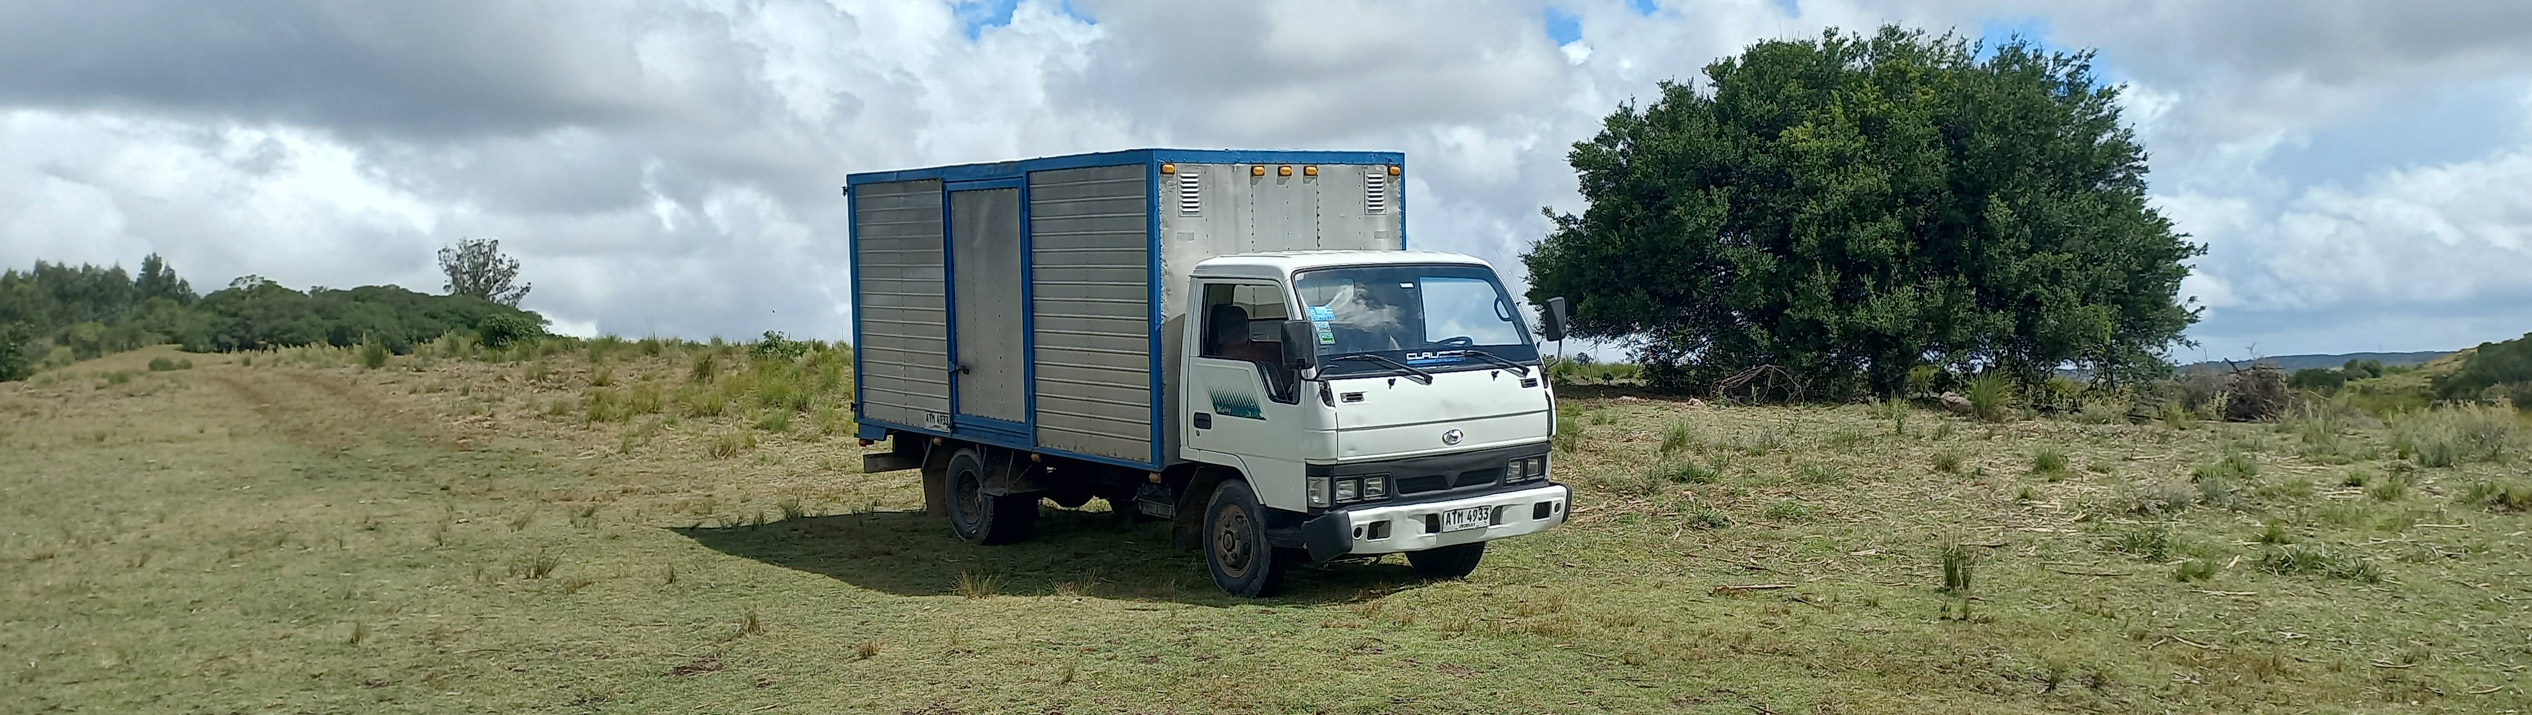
(1563, 27)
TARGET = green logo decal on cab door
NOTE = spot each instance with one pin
(1237, 404)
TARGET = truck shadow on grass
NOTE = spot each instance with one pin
(1073, 553)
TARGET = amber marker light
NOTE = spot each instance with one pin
(1283, 171)
(1257, 171)
(1169, 168)
(1393, 170)
(1309, 171)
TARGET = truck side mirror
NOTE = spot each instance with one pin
(1300, 349)
(1553, 314)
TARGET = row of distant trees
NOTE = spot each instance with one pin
(55, 313)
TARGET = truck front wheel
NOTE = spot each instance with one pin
(1447, 562)
(981, 518)
(1235, 543)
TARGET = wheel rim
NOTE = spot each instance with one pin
(1231, 545)
(971, 499)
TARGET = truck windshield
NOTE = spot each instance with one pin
(1426, 316)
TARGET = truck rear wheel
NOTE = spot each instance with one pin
(1448, 562)
(1235, 546)
(980, 518)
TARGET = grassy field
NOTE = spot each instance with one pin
(680, 529)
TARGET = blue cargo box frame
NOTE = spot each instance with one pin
(1014, 174)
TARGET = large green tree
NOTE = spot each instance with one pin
(1852, 207)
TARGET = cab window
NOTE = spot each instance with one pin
(1244, 321)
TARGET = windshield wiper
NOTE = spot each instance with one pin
(1516, 368)
(1419, 376)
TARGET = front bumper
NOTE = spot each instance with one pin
(1389, 529)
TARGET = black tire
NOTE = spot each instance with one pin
(1235, 545)
(1448, 562)
(981, 519)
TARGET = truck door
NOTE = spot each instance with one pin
(1241, 402)
(988, 369)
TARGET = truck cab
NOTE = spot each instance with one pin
(1374, 402)
(1237, 342)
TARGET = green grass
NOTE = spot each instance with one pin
(306, 535)
(2049, 461)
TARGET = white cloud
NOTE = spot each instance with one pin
(670, 165)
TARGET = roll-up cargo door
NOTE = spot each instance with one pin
(990, 371)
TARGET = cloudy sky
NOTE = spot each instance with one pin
(2361, 171)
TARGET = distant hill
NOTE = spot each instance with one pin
(2292, 363)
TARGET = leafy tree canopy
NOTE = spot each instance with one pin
(476, 268)
(1851, 207)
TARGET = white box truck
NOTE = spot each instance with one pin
(1234, 341)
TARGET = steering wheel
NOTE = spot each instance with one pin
(1456, 342)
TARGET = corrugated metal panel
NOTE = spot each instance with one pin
(1089, 236)
(901, 303)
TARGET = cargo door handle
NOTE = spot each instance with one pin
(962, 369)
(1204, 420)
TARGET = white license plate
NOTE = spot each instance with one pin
(1475, 517)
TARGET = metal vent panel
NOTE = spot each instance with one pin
(1375, 192)
(1190, 192)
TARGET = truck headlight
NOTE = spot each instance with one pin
(1524, 469)
(1318, 491)
(1348, 490)
(1376, 487)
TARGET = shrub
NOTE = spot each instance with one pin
(1705, 518)
(2502, 496)
(17, 343)
(1990, 396)
(2161, 499)
(775, 421)
(2236, 467)
(2445, 438)
(2318, 561)
(1787, 510)
(1678, 437)
(1821, 474)
(730, 444)
(2049, 461)
(706, 368)
(1896, 411)
(167, 364)
(501, 330)
(775, 347)
(2388, 489)
(1948, 461)
(1958, 566)
(373, 355)
(2194, 570)
(602, 346)
(1683, 471)
(2151, 542)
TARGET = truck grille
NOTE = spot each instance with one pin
(1426, 483)
(1439, 482)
